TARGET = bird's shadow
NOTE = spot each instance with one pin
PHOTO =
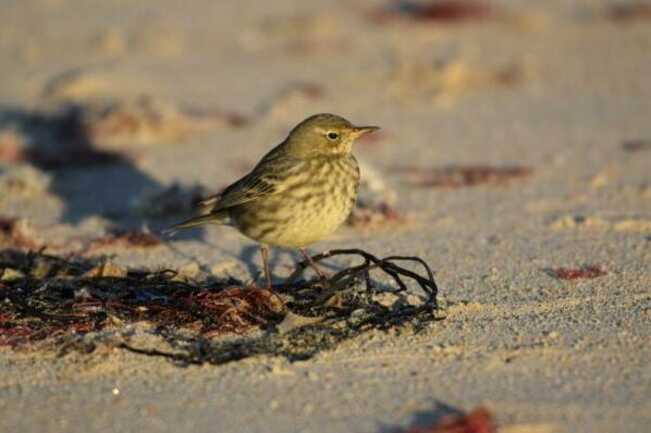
(90, 181)
(250, 256)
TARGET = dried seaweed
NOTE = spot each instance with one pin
(441, 11)
(479, 420)
(58, 301)
(463, 176)
(127, 239)
(636, 145)
(630, 11)
(585, 272)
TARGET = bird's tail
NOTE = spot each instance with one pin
(211, 218)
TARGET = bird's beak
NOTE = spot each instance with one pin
(361, 130)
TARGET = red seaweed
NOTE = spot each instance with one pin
(127, 239)
(440, 11)
(586, 272)
(456, 176)
(626, 12)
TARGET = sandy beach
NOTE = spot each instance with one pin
(514, 159)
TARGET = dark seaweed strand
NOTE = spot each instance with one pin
(427, 284)
(305, 342)
(300, 343)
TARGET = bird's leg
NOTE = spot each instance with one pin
(264, 252)
(312, 264)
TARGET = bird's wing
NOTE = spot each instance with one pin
(258, 183)
(249, 188)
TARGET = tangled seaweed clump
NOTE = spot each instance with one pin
(56, 302)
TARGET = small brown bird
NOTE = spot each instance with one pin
(298, 194)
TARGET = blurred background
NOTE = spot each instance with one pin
(120, 115)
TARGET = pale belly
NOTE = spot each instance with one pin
(299, 216)
(296, 224)
(307, 228)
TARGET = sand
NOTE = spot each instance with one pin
(561, 88)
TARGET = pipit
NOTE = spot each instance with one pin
(298, 194)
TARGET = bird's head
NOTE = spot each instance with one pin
(324, 135)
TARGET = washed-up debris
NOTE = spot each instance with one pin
(71, 298)
(437, 11)
(458, 176)
(585, 272)
(636, 145)
(625, 12)
(126, 239)
(477, 421)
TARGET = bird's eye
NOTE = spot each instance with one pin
(333, 136)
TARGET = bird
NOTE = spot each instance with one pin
(299, 193)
